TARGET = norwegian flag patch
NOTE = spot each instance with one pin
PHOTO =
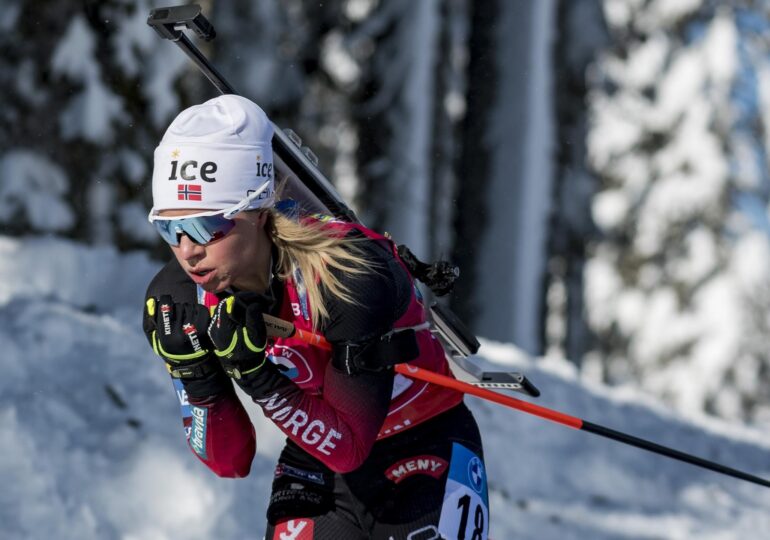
(189, 192)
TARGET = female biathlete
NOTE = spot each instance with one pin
(369, 454)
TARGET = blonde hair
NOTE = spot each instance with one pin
(315, 250)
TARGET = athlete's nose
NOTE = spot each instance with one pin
(189, 250)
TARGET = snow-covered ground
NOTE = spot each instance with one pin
(91, 444)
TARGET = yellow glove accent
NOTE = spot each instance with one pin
(251, 345)
(252, 370)
(151, 307)
(180, 357)
(155, 342)
(230, 348)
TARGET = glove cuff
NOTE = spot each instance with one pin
(239, 370)
(214, 384)
(193, 370)
(202, 378)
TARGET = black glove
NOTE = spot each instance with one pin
(177, 333)
(237, 330)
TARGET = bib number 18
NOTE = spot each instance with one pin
(465, 511)
(477, 533)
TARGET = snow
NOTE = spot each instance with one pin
(644, 63)
(101, 198)
(132, 220)
(602, 283)
(26, 84)
(90, 112)
(93, 447)
(609, 208)
(615, 130)
(719, 49)
(35, 187)
(133, 36)
(134, 40)
(338, 62)
(134, 166)
(676, 287)
(358, 10)
(73, 55)
(647, 15)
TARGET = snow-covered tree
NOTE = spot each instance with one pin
(87, 95)
(676, 289)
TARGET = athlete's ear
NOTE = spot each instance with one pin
(257, 218)
(262, 217)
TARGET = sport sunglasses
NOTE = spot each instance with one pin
(204, 227)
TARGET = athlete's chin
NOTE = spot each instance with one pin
(216, 286)
(212, 289)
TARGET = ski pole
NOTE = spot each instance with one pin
(280, 328)
(573, 422)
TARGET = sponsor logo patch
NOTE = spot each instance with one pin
(294, 529)
(425, 464)
(476, 474)
(192, 333)
(294, 365)
(287, 470)
(189, 170)
(314, 433)
(264, 169)
(165, 311)
(181, 394)
(198, 430)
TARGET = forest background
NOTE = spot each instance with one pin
(598, 169)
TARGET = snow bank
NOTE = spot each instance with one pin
(93, 447)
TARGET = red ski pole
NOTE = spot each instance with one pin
(281, 328)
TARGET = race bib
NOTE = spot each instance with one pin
(465, 511)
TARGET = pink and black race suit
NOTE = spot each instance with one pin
(333, 416)
(412, 402)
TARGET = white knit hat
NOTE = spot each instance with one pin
(213, 156)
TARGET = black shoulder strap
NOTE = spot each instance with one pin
(377, 354)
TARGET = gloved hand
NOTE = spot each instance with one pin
(237, 330)
(177, 333)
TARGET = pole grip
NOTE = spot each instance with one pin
(284, 329)
(278, 327)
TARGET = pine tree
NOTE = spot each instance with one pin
(674, 288)
(88, 95)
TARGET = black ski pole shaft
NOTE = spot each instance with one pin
(670, 452)
(573, 422)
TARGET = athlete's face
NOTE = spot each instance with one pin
(240, 259)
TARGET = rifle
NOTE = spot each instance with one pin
(298, 177)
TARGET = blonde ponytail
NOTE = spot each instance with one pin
(315, 250)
